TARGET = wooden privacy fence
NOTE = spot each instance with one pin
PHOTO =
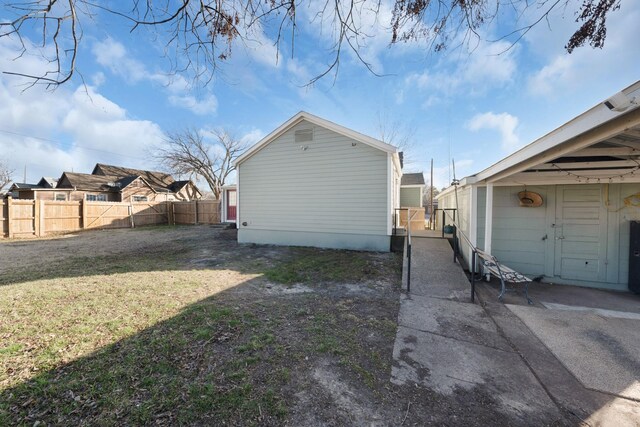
(29, 218)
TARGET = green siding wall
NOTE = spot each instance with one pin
(590, 220)
(410, 197)
(331, 185)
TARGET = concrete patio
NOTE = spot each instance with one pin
(573, 357)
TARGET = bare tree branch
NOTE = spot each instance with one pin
(199, 35)
(6, 175)
(188, 153)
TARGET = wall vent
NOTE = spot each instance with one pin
(304, 135)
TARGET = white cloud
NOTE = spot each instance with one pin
(504, 123)
(67, 129)
(562, 73)
(252, 136)
(488, 66)
(114, 56)
(201, 107)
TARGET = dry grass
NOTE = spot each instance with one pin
(187, 327)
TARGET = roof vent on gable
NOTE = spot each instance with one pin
(304, 135)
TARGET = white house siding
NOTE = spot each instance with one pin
(410, 197)
(448, 201)
(331, 194)
(595, 234)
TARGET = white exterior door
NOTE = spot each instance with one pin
(580, 233)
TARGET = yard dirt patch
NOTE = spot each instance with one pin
(181, 325)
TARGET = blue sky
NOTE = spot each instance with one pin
(475, 107)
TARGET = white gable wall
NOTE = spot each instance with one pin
(333, 193)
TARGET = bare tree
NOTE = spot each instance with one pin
(398, 133)
(6, 175)
(188, 153)
(199, 34)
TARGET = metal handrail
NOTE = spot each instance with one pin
(409, 219)
(474, 254)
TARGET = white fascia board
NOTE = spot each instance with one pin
(590, 119)
(318, 121)
(413, 186)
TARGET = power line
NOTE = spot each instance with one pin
(69, 145)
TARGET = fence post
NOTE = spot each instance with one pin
(173, 213)
(43, 205)
(83, 214)
(196, 209)
(36, 217)
(9, 226)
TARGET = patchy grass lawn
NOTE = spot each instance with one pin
(180, 325)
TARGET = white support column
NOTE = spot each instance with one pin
(488, 223)
(488, 219)
(473, 220)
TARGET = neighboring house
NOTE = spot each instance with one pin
(411, 190)
(562, 206)
(161, 183)
(312, 182)
(110, 184)
(104, 188)
(43, 190)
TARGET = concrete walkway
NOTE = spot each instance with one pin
(446, 343)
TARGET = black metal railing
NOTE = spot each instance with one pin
(456, 251)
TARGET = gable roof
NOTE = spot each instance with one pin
(412, 179)
(318, 121)
(157, 180)
(104, 183)
(47, 182)
(84, 181)
(22, 186)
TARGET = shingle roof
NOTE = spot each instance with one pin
(21, 185)
(412, 179)
(177, 185)
(85, 181)
(47, 182)
(157, 180)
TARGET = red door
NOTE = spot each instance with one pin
(231, 205)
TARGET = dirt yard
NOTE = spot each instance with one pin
(181, 325)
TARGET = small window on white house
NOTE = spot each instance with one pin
(304, 135)
(96, 197)
(61, 197)
(140, 198)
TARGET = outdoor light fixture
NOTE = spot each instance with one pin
(620, 102)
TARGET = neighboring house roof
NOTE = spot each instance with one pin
(178, 185)
(87, 182)
(102, 183)
(22, 185)
(304, 116)
(157, 180)
(412, 179)
(47, 182)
